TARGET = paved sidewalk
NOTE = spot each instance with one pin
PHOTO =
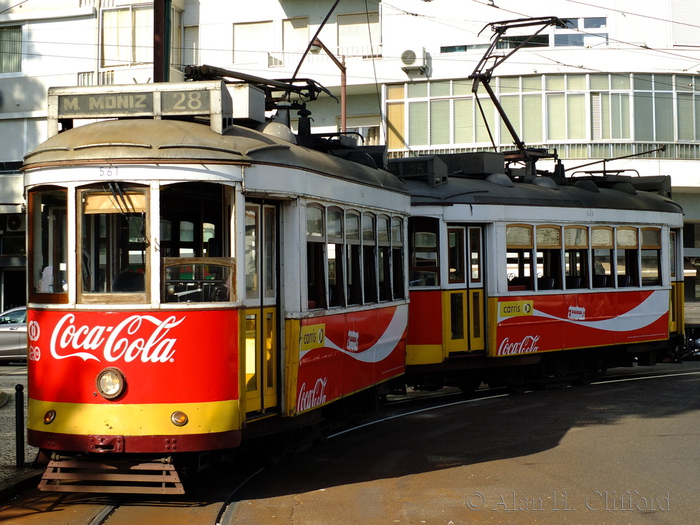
(12, 476)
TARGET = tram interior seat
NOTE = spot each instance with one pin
(545, 283)
(573, 281)
(520, 283)
(624, 280)
(600, 281)
(129, 281)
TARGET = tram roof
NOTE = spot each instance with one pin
(143, 141)
(618, 193)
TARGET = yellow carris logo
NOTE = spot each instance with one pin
(313, 336)
(515, 308)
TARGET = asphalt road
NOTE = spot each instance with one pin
(620, 452)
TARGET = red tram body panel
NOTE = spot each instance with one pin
(163, 355)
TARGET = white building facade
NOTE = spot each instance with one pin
(620, 79)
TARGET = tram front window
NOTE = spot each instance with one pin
(47, 252)
(113, 240)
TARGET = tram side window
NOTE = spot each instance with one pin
(424, 250)
(315, 260)
(113, 240)
(519, 245)
(627, 261)
(47, 252)
(576, 257)
(384, 252)
(369, 257)
(335, 247)
(602, 245)
(549, 258)
(354, 258)
(397, 258)
(194, 243)
(651, 257)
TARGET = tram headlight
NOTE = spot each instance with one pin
(110, 383)
(179, 418)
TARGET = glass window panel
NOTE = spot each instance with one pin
(686, 112)
(418, 90)
(576, 116)
(462, 87)
(663, 82)
(368, 234)
(556, 121)
(383, 230)
(684, 83)
(519, 236)
(532, 119)
(595, 23)
(620, 81)
(532, 83)
(576, 237)
(602, 237)
(576, 82)
(626, 237)
(314, 221)
(394, 92)
(11, 49)
(600, 82)
(335, 224)
(643, 116)
(396, 126)
(440, 89)
(463, 121)
(554, 82)
(642, 82)
(663, 116)
(482, 134)
(548, 237)
(620, 115)
(651, 238)
(418, 123)
(352, 226)
(440, 122)
(509, 84)
(48, 270)
(511, 105)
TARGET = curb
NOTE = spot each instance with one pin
(19, 483)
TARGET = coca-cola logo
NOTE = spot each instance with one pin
(314, 397)
(526, 346)
(137, 337)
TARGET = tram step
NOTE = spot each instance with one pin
(123, 477)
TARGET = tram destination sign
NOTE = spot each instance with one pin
(95, 105)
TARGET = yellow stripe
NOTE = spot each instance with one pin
(423, 354)
(134, 420)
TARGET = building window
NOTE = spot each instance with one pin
(359, 35)
(11, 49)
(253, 43)
(127, 36)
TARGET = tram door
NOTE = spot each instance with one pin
(261, 352)
(464, 300)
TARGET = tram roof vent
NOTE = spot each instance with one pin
(222, 105)
(587, 185)
(429, 167)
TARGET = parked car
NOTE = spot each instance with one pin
(13, 335)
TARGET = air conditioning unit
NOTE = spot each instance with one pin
(415, 60)
(16, 223)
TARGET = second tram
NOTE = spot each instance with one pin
(529, 277)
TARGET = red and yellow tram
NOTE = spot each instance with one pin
(193, 280)
(529, 276)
